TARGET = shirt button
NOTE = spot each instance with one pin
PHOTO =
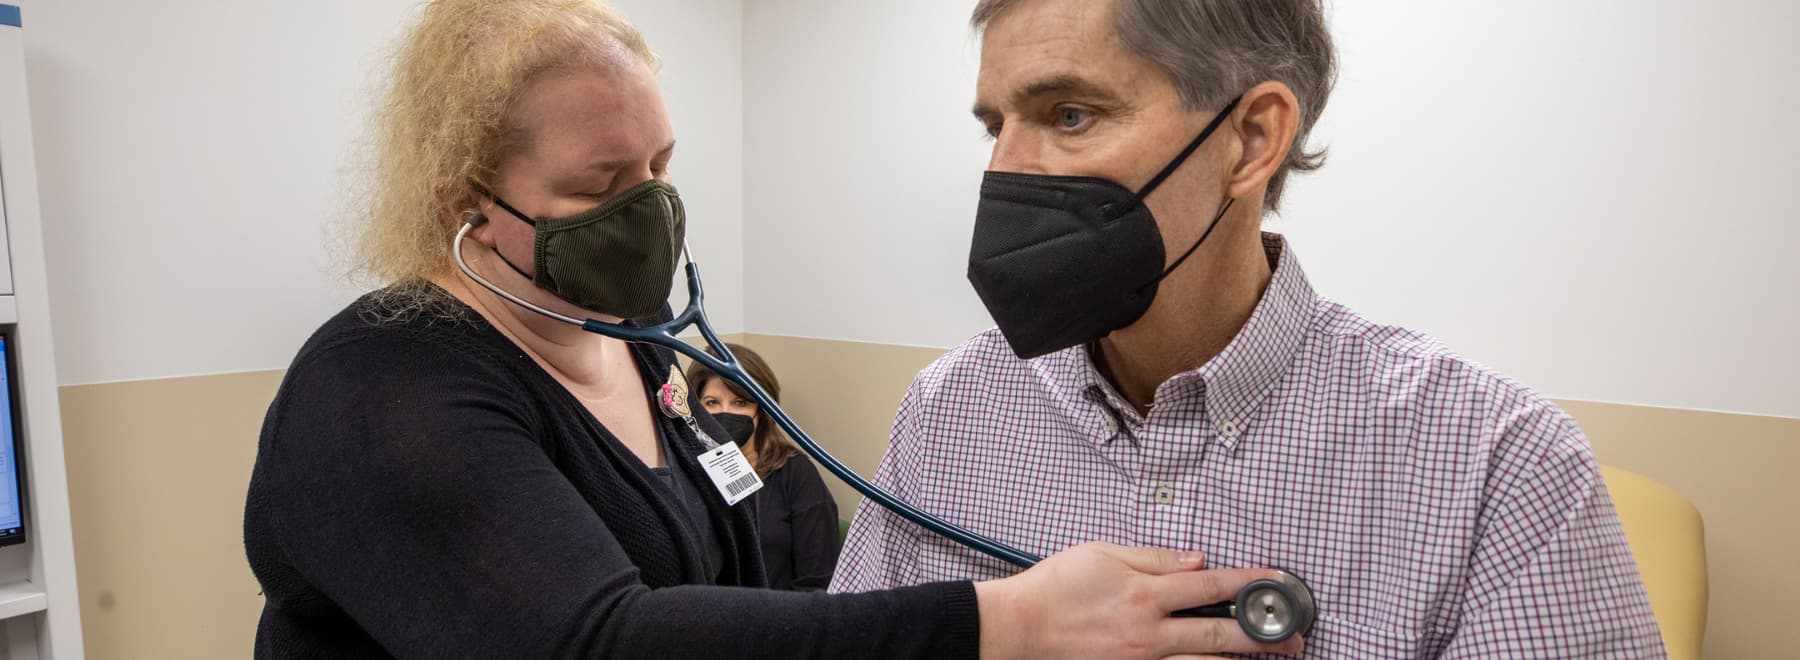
(1228, 429)
(1164, 494)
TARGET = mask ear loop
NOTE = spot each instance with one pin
(1181, 158)
(1217, 121)
(509, 209)
(476, 218)
(1196, 246)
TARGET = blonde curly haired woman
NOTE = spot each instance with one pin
(445, 474)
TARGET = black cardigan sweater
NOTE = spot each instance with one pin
(423, 489)
(799, 527)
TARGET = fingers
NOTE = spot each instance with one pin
(1154, 561)
(1181, 590)
(1220, 636)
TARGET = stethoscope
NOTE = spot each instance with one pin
(1269, 610)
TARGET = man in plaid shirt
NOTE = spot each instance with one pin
(1210, 399)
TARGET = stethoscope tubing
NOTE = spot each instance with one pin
(727, 366)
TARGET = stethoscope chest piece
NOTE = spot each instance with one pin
(1273, 609)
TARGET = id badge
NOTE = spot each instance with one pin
(730, 472)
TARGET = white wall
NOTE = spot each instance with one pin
(863, 166)
(1595, 197)
(1592, 197)
(192, 155)
(1588, 196)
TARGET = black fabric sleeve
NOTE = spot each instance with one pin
(815, 526)
(405, 483)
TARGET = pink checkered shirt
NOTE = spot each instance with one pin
(1436, 508)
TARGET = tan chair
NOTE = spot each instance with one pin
(1669, 541)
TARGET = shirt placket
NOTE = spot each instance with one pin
(1168, 488)
(1114, 435)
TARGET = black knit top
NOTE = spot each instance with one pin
(423, 489)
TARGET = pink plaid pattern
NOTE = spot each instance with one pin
(1436, 508)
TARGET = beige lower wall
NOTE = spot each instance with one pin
(1743, 473)
(157, 475)
(158, 469)
(844, 394)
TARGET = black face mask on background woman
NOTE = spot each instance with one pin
(739, 427)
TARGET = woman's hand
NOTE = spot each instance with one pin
(1099, 600)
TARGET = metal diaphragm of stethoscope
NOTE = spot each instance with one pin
(1269, 610)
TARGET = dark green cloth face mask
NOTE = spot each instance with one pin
(617, 258)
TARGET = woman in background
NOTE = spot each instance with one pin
(795, 515)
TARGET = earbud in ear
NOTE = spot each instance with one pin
(474, 218)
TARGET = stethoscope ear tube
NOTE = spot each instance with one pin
(726, 366)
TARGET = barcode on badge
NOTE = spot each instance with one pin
(742, 483)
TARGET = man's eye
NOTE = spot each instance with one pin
(993, 130)
(1071, 118)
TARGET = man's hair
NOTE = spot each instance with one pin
(1213, 50)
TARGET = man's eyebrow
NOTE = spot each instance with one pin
(1059, 84)
(1065, 83)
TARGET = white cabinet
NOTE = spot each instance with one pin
(40, 614)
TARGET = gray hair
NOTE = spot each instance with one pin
(1213, 50)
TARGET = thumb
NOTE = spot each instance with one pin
(1156, 561)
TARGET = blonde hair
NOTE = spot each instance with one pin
(444, 121)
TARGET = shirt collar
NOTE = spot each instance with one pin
(1234, 383)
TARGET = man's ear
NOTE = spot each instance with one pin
(1267, 119)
